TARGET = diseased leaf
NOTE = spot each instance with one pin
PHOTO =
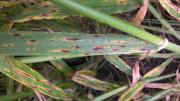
(47, 10)
(69, 44)
(132, 91)
(30, 78)
(160, 95)
(136, 69)
(158, 70)
(55, 25)
(85, 77)
(171, 8)
(161, 85)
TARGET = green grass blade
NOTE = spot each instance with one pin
(54, 25)
(158, 70)
(110, 93)
(171, 8)
(159, 78)
(27, 76)
(85, 77)
(113, 92)
(69, 44)
(119, 63)
(47, 10)
(132, 91)
(159, 95)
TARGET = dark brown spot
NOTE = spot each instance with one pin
(53, 10)
(17, 34)
(97, 48)
(32, 42)
(7, 45)
(38, 80)
(76, 47)
(119, 42)
(96, 35)
(71, 39)
(64, 50)
(24, 73)
(115, 49)
(34, 87)
(45, 14)
(122, 1)
(46, 6)
(142, 49)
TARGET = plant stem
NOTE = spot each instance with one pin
(116, 23)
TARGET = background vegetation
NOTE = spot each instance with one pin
(89, 50)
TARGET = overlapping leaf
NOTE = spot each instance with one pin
(47, 10)
(132, 91)
(85, 77)
(69, 44)
(119, 63)
(158, 70)
(27, 76)
(171, 8)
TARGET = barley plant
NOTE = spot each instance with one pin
(89, 50)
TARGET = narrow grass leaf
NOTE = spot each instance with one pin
(110, 93)
(160, 95)
(158, 70)
(30, 78)
(85, 77)
(161, 85)
(69, 44)
(135, 89)
(113, 92)
(132, 91)
(119, 63)
(56, 25)
(47, 10)
(171, 8)
(163, 21)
